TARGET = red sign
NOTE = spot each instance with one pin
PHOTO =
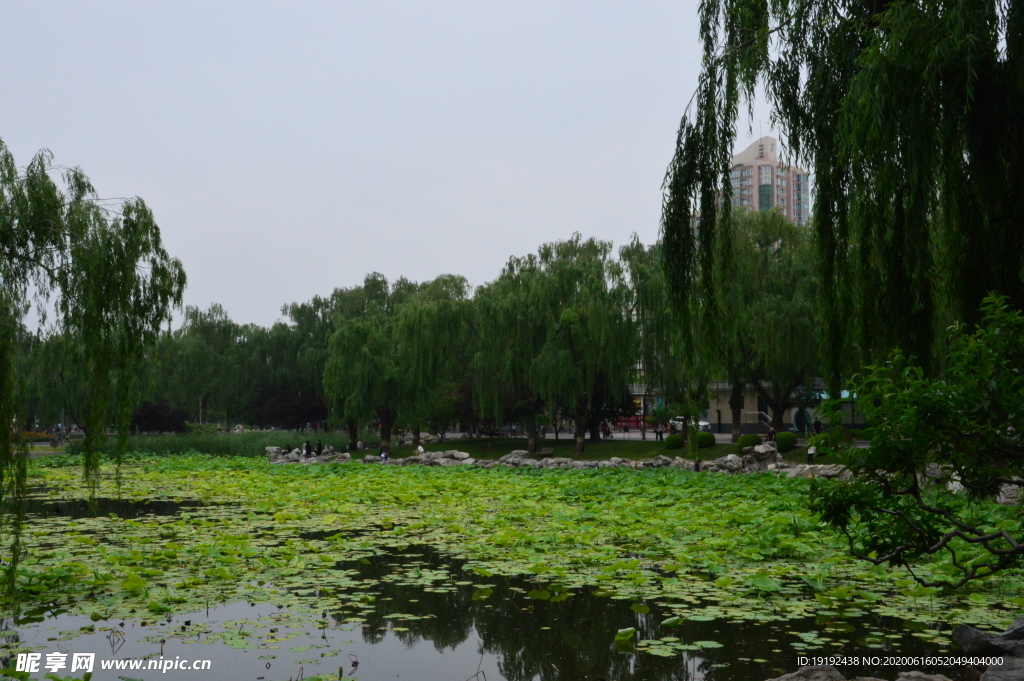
(629, 422)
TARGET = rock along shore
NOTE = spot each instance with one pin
(760, 458)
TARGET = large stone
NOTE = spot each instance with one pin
(921, 676)
(730, 462)
(1015, 632)
(818, 673)
(468, 461)
(1012, 669)
(832, 470)
(978, 642)
(764, 451)
(1009, 495)
(461, 456)
(662, 460)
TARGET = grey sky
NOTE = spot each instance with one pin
(290, 148)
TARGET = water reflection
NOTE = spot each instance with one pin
(574, 639)
(451, 630)
(103, 506)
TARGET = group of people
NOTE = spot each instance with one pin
(307, 450)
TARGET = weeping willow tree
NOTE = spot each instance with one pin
(588, 355)
(434, 353)
(103, 274)
(664, 363)
(910, 116)
(510, 332)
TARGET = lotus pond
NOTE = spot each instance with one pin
(371, 572)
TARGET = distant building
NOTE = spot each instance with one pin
(760, 182)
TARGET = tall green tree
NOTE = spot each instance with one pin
(772, 295)
(432, 328)
(363, 371)
(589, 354)
(111, 286)
(910, 116)
(665, 363)
(510, 327)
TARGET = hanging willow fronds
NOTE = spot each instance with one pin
(111, 285)
(909, 115)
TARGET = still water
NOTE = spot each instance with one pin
(397, 630)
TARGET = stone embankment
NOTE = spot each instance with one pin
(763, 457)
(1008, 647)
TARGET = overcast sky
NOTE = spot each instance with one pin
(291, 148)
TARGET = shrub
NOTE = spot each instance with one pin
(675, 442)
(785, 441)
(705, 440)
(749, 440)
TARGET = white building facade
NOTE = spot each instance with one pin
(760, 182)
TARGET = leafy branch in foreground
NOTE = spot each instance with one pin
(941, 449)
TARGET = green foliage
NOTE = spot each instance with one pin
(109, 282)
(785, 441)
(675, 442)
(704, 440)
(749, 440)
(910, 214)
(652, 536)
(962, 429)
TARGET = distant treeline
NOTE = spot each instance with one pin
(568, 335)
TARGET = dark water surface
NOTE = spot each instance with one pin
(101, 506)
(416, 633)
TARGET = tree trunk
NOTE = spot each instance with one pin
(387, 423)
(736, 404)
(579, 429)
(531, 434)
(415, 435)
(777, 401)
(643, 417)
(353, 435)
(594, 426)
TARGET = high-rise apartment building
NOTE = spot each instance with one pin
(760, 182)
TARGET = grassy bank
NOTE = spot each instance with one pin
(223, 444)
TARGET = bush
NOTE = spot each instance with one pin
(749, 440)
(785, 441)
(705, 440)
(675, 442)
